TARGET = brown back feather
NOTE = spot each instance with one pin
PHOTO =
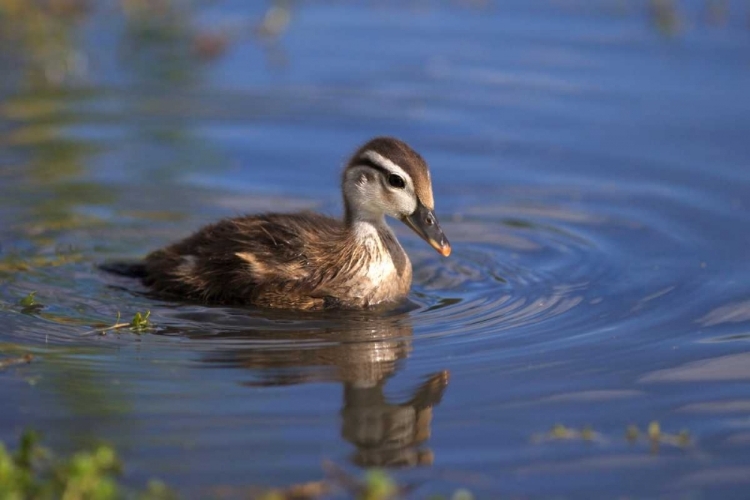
(300, 260)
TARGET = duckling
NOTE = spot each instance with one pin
(306, 260)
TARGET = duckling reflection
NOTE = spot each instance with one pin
(361, 354)
(386, 433)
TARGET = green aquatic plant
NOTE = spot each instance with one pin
(378, 485)
(654, 431)
(666, 16)
(33, 472)
(462, 494)
(28, 301)
(633, 434)
(12, 264)
(559, 432)
(29, 304)
(139, 324)
(657, 437)
(459, 494)
(588, 434)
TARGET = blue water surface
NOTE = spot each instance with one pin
(591, 167)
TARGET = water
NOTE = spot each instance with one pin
(591, 169)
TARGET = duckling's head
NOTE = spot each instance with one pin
(387, 177)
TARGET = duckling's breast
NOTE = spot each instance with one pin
(385, 274)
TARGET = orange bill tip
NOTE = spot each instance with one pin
(443, 249)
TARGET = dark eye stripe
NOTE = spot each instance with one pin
(366, 162)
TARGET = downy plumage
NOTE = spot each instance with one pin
(307, 260)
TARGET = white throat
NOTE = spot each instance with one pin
(380, 267)
(369, 230)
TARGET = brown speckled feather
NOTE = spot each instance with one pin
(302, 261)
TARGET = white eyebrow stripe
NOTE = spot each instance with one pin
(387, 164)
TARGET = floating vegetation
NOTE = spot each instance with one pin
(12, 264)
(462, 494)
(376, 484)
(28, 301)
(139, 324)
(29, 304)
(656, 437)
(21, 360)
(633, 434)
(34, 472)
(559, 432)
(666, 16)
(306, 491)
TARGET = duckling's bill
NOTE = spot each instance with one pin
(424, 222)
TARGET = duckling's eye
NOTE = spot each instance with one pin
(396, 181)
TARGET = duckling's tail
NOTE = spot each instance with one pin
(132, 269)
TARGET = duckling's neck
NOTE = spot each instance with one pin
(377, 267)
(363, 223)
(366, 230)
(371, 238)
(376, 240)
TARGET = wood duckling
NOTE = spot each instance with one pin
(306, 260)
